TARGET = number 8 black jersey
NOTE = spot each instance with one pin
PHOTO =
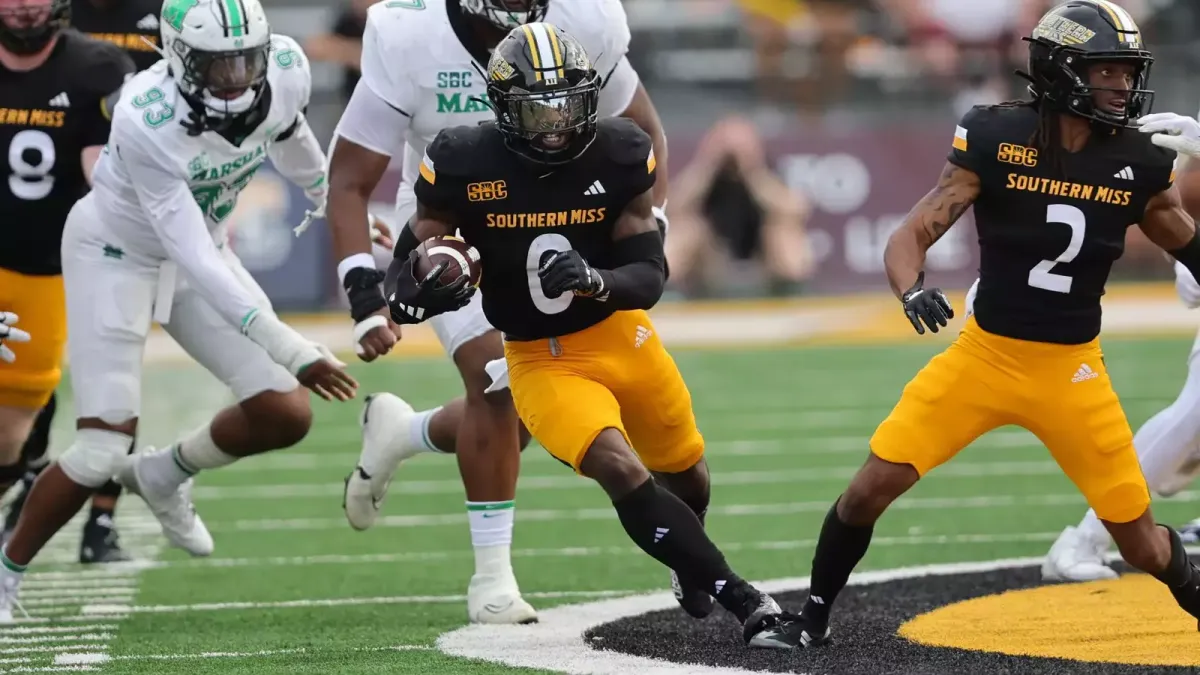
(517, 213)
(1048, 240)
(47, 117)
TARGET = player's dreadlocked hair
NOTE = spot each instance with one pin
(1047, 138)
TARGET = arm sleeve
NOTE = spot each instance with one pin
(969, 147)
(638, 279)
(172, 211)
(107, 81)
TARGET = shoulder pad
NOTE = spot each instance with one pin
(623, 141)
(992, 119)
(455, 150)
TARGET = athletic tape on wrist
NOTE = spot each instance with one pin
(366, 326)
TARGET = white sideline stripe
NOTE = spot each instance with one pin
(76, 592)
(31, 583)
(778, 508)
(85, 637)
(572, 482)
(48, 603)
(88, 659)
(556, 642)
(50, 648)
(33, 630)
(98, 609)
(591, 551)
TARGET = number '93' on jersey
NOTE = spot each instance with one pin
(1048, 237)
(147, 128)
(517, 214)
(48, 115)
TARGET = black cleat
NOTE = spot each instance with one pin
(101, 543)
(693, 600)
(762, 615)
(789, 631)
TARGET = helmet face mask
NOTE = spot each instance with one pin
(507, 14)
(547, 112)
(27, 26)
(1079, 42)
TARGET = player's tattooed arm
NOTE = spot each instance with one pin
(932, 217)
(1167, 224)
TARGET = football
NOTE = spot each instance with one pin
(463, 259)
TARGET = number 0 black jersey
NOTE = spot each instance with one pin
(47, 117)
(516, 213)
(1047, 240)
(131, 25)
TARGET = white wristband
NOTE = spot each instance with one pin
(352, 261)
(365, 326)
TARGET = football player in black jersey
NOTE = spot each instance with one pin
(131, 25)
(1056, 181)
(568, 274)
(54, 121)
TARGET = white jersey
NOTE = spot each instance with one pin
(148, 140)
(414, 61)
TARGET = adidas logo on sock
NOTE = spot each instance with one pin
(643, 334)
(1085, 372)
(659, 533)
(717, 587)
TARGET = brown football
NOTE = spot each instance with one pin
(462, 259)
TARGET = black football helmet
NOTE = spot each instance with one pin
(507, 14)
(544, 92)
(29, 27)
(1075, 35)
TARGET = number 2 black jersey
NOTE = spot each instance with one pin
(517, 213)
(47, 117)
(1048, 240)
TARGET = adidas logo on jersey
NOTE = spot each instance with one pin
(60, 101)
(643, 334)
(1085, 373)
(1126, 173)
(148, 22)
(594, 189)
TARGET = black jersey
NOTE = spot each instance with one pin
(516, 213)
(47, 117)
(1048, 240)
(131, 25)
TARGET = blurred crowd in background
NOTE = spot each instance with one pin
(801, 131)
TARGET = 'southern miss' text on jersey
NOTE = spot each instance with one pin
(147, 129)
(516, 213)
(1047, 239)
(422, 59)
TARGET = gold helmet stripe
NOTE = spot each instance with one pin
(554, 44)
(546, 46)
(531, 45)
(1122, 20)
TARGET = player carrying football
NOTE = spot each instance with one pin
(423, 67)
(1055, 181)
(56, 121)
(569, 272)
(147, 245)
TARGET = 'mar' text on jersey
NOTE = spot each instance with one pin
(1062, 188)
(33, 118)
(546, 218)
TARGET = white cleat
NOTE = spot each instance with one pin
(1075, 556)
(174, 510)
(385, 421)
(496, 599)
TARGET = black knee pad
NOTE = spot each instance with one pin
(38, 443)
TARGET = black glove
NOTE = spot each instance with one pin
(362, 288)
(926, 304)
(412, 301)
(568, 271)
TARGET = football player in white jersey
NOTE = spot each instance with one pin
(423, 66)
(147, 244)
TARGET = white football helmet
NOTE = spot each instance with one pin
(217, 50)
(508, 14)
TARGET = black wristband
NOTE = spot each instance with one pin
(362, 288)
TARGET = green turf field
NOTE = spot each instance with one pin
(292, 589)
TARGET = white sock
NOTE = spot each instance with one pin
(418, 431)
(491, 536)
(165, 470)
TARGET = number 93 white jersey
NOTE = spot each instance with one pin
(415, 62)
(149, 141)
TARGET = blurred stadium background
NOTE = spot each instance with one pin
(837, 115)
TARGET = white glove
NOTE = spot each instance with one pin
(1186, 286)
(282, 343)
(7, 332)
(1174, 132)
(317, 195)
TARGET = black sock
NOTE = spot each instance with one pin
(99, 512)
(839, 549)
(667, 529)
